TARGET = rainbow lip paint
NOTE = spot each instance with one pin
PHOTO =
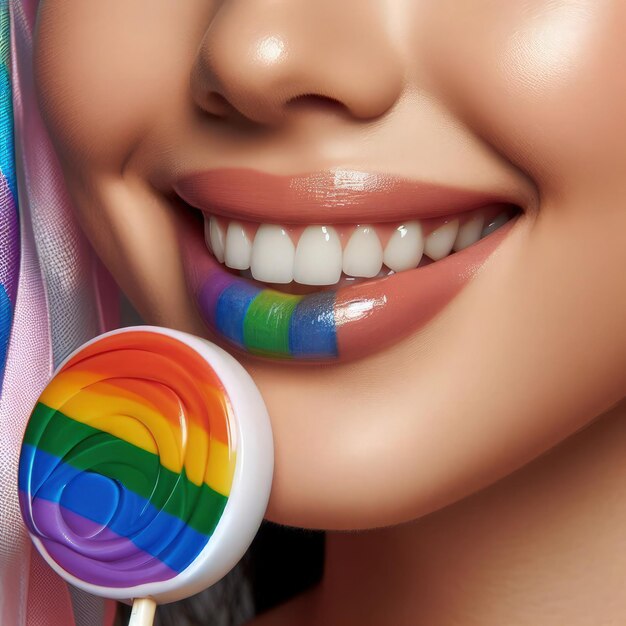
(266, 322)
(129, 464)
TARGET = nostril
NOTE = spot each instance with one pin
(315, 102)
(216, 104)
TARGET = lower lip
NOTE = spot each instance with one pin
(345, 324)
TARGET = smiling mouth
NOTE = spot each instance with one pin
(325, 267)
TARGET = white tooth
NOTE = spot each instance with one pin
(501, 220)
(363, 256)
(469, 233)
(439, 242)
(216, 239)
(405, 248)
(238, 247)
(207, 233)
(272, 255)
(318, 257)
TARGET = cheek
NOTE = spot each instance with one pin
(107, 70)
(108, 75)
(543, 82)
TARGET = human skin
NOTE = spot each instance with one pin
(526, 97)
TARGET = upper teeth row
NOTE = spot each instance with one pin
(319, 258)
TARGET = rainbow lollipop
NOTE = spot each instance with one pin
(146, 465)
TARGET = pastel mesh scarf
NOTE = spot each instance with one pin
(51, 301)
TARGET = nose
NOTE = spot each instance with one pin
(260, 58)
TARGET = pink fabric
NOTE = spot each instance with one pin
(49, 602)
(23, 380)
(57, 308)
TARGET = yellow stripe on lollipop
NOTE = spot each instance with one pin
(65, 385)
(131, 421)
(83, 397)
(220, 468)
(216, 471)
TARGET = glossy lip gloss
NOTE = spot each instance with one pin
(345, 323)
(330, 197)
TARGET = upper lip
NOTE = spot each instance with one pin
(327, 197)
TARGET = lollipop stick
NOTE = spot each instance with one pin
(143, 612)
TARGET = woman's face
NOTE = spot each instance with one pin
(390, 129)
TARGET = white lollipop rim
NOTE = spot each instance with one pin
(250, 490)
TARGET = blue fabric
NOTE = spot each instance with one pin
(9, 219)
(6, 318)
